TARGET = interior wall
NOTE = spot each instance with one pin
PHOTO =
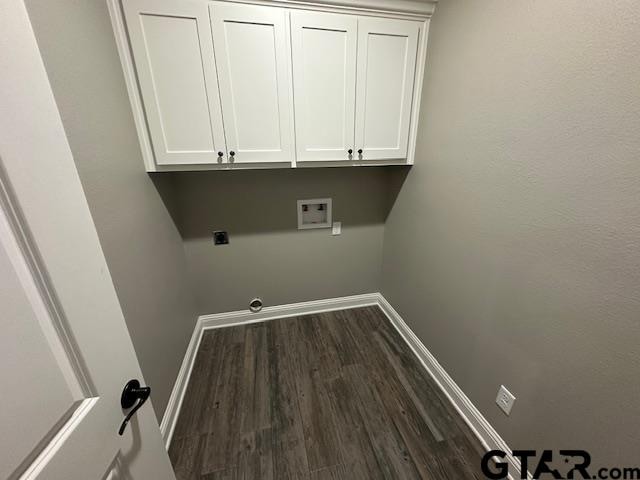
(268, 256)
(513, 249)
(141, 244)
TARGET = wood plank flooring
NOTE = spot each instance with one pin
(331, 396)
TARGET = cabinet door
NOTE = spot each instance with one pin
(387, 51)
(324, 77)
(173, 53)
(253, 62)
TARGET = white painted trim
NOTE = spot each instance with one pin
(479, 425)
(421, 68)
(407, 9)
(244, 317)
(170, 417)
(186, 167)
(80, 413)
(131, 80)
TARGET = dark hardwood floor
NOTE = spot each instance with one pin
(336, 395)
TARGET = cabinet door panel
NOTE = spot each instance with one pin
(173, 51)
(387, 53)
(324, 74)
(252, 56)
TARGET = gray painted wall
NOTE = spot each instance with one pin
(512, 246)
(267, 255)
(513, 249)
(140, 241)
(136, 214)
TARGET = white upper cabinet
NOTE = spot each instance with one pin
(173, 53)
(324, 72)
(268, 83)
(387, 54)
(253, 59)
(353, 83)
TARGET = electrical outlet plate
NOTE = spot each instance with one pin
(505, 400)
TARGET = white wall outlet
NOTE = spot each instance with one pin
(337, 228)
(505, 399)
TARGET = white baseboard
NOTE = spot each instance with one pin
(243, 317)
(479, 425)
(487, 435)
(170, 416)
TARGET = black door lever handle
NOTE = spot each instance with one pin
(132, 392)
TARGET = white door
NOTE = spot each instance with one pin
(65, 353)
(173, 51)
(387, 54)
(253, 61)
(324, 75)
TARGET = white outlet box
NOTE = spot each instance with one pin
(314, 213)
(505, 399)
